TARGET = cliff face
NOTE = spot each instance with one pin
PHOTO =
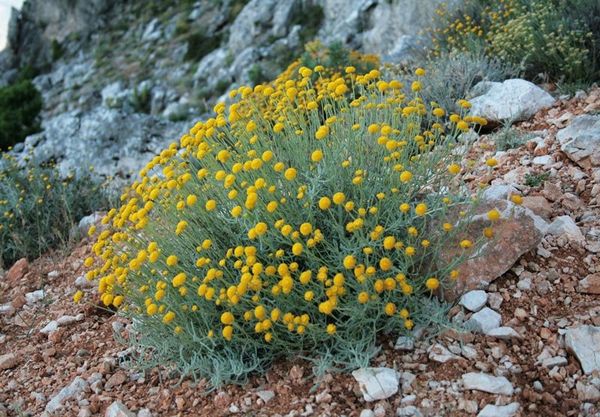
(33, 30)
(168, 61)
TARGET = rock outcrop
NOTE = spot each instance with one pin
(111, 65)
(511, 100)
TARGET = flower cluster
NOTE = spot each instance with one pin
(305, 217)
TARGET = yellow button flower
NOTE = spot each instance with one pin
(339, 198)
(316, 156)
(290, 174)
(227, 318)
(210, 205)
(406, 176)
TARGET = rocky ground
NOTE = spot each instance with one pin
(534, 349)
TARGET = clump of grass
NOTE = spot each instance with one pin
(256, 75)
(142, 100)
(57, 50)
(38, 208)
(509, 137)
(536, 180)
(199, 45)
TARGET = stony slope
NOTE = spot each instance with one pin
(56, 356)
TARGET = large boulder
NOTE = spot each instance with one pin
(387, 28)
(40, 22)
(580, 140)
(259, 20)
(511, 100)
(517, 232)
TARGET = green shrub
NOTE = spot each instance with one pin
(142, 100)
(57, 50)
(38, 208)
(509, 137)
(336, 57)
(557, 39)
(199, 45)
(256, 75)
(536, 180)
(182, 26)
(305, 219)
(310, 17)
(20, 105)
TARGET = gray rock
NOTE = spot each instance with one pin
(7, 310)
(587, 392)
(114, 95)
(474, 300)
(86, 222)
(511, 100)
(408, 411)
(377, 383)
(554, 361)
(543, 160)
(67, 320)
(118, 409)
(84, 412)
(439, 353)
(504, 333)
(153, 31)
(524, 284)
(487, 383)
(584, 343)
(387, 28)
(407, 379)
(565, 226)
(490, 410)
(367, 413)
(73, 390)
(485, 320)
(34, 296)
(248, 27)
(266, 395)
(52, 326)
(498, 192)
(114, 142)
(212, 68)
(580, 141)
(405, 343)
(144, 412)
(82, 282)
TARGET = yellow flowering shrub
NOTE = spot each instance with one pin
(304, 218)
(555, 38)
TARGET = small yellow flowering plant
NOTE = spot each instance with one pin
(305, 218)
